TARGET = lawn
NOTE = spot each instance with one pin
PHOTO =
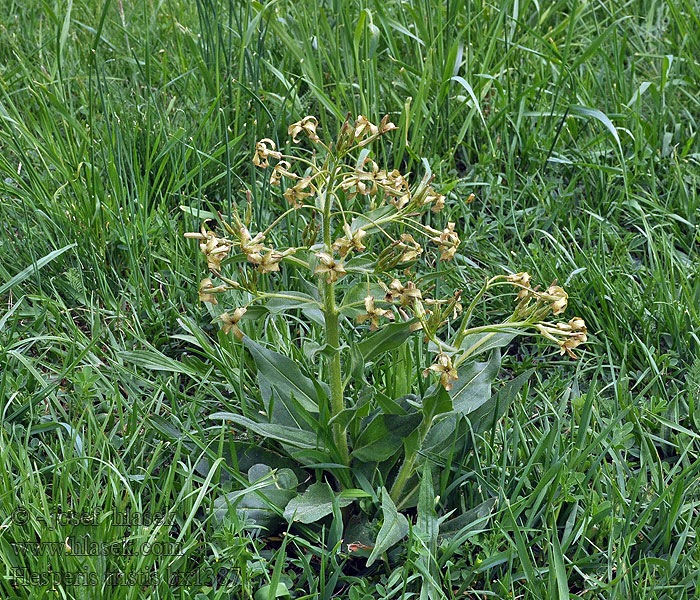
(564, 139)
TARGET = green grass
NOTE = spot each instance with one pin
(576, 126)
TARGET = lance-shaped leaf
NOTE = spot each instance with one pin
(485, 417)
(383, 436)
(478, 343)
(314, 504)
(473, 387)
(393, 530)
(289, 435)
(284, 374)
(387, 338)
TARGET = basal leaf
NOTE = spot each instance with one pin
(314, 504)
(282, 433)
(427, 521)
(394, 528)
(376, 443)
(283, 374)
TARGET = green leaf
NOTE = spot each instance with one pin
(352, 305)
(384, 436)
(584, 111)
(437, 403)
(10, 312)
(468, 88)
(360, 264)
(473, 388)
(282, 433)
(266, 593)
(478, 343)
(473, 519)
(284, 375)
(297, 301)
(394, 528)
(427, 521)
(393, 407)
(389, 337)
(264, 500)
(377, 441)
(31, 269)
(557, 558)
(314, 504)
(427, 526)
(154, 361)
(486, 415)
(366, 221)
(292, 300)
(199, 213)
(52, 425)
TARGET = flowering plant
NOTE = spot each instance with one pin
(366, 249)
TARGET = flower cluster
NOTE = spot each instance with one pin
(339, 186)
(566, 335)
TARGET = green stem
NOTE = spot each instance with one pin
(335, 375)
(493, 330)
(468, 313)
(402, 478)
(330, 313)
(408, 466)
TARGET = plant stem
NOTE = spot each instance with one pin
(336, 381)
(407, 468)
(330, 313)
(402, 478)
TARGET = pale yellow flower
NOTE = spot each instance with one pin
(308, 125)
(443, 366)
(411, 249)
(438, 201)
(566, 335)
(295, 195)
(558, 297)
(269, 262)
(448, 242)
(230, 322)
(396, 188)
(407, 294)
(265, 149)
(351, 241)
(207, 291)
(364, 128)
(250, 245)
(373, 314)
(281, 170)
(363, 182)
(327, 264)
(215, 250)
(521, 280)
(385, 125)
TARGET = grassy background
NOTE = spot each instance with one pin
(576, 126)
